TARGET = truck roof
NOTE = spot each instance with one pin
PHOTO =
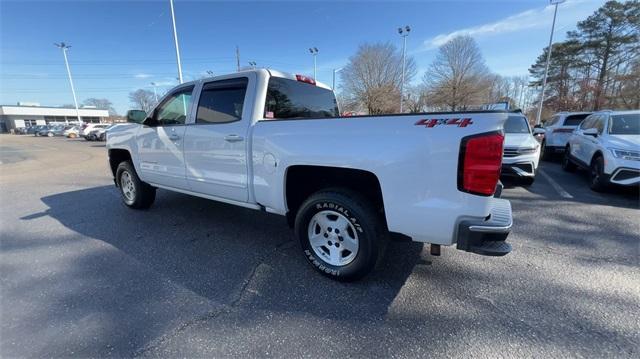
(269, 72)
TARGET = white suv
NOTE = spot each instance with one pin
(558, 131)
(608, 144)
(521, 150)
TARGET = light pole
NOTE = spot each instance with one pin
(175, 39)
(210, 73)
(252, 64)
(314, 52)
(404, 33)
(546, 68)
(64, 47)
(335, 71)
(155, 92)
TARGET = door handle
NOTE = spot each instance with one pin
(233, 138)
(174, 137)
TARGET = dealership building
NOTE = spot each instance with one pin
(21, 115)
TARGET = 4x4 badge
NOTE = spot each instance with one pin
(460, 122)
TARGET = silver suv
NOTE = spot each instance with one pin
(558, 130)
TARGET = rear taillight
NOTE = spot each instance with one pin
(306, 79)
(563, 130)
(480, 163)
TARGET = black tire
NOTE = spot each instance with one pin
(137, 194)
(527, 181)
(363, 223)
(567, 163)
(544, 154)
(598, 181)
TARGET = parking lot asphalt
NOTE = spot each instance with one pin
(83, 276)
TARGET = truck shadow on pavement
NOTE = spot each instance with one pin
(226, 254)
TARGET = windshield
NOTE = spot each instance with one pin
(294, 99)
(516, 124)
(625, 124)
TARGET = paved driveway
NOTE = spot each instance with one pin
(81, 275)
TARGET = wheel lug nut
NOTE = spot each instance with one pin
(330, 243)
(326, 235)
(337, 230)
(330, 229)
(337, 245)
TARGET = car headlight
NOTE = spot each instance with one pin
(625, 154)
(527, 150)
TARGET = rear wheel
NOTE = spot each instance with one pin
(597, 179)
(567, 164)
(340, 234)
(135, 193)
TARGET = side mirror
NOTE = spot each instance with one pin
(136, 116)
(539, 131)
(591, 132)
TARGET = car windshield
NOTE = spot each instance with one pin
(625, 124)
(516, 124)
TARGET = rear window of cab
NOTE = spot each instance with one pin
(291, 99)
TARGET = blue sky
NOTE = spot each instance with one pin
(120, 46)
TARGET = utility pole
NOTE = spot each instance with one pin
(546, 68)
(403, 33)
(314, 52)
(64, 47)
(237, 58)
(333, 86)
(155, 92)
(175, 39)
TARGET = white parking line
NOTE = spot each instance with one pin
(555, 185)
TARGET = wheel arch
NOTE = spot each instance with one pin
(301, 181)
(117, 156)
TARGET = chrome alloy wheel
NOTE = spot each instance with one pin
(126, 184)
(333, 238)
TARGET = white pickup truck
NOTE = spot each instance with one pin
(274, 142)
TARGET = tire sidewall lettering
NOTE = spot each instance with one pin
(321, 206)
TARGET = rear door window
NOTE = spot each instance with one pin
(575, 120)
(222, 101)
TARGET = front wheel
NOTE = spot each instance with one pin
(50, 134)
(597, 179)
(135, 193)
(340, 233)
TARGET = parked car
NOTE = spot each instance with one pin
(607, 143)
(85, 128)
(38, 128)
(521, 149)
(91, 130)
(272, 141)
(72, 132)
(50, 131)
(558, 131)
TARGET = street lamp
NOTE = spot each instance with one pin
(210, 73)
(403, 33)
(252, 64)
(64, 47)
(155, 92)
(335, 71)
(546, 68)
(314, 52)
(175, 39)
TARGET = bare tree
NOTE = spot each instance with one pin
(142, 99)
(102, 104)
(457, 77)
(373, 75)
